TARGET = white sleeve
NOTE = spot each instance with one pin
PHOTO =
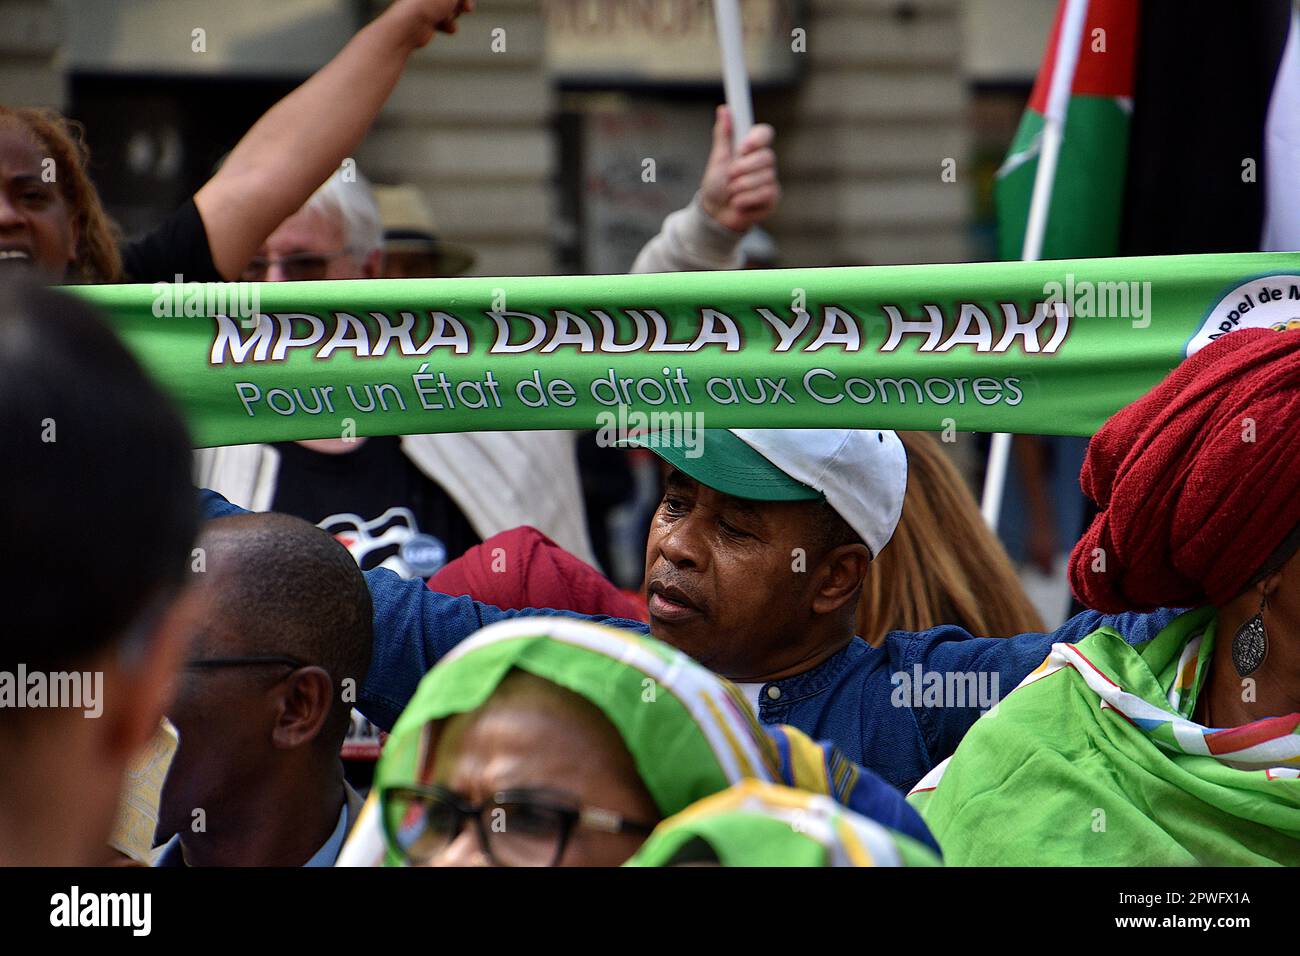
(691, 241)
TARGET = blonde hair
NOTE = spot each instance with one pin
(943, 565)
(98, 258)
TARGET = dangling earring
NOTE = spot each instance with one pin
(1250, 644)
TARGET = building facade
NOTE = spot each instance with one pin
(536, 162)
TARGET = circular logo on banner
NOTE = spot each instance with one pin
(424, 554)
(1270, 302)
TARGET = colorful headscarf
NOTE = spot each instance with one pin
(1095, 760)
(690, 733)
(760, 824)
(1196, 481)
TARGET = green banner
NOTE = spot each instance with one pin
(1038, 347)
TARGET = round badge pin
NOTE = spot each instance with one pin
(423, 554)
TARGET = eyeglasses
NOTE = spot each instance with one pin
(515, 827)
(296, 267)
(211, 663)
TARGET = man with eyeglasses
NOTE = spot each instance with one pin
(414, 502)
(265, 699)
(408, 503)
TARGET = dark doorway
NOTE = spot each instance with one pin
(155, 140)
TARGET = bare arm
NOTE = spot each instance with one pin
(301, 140)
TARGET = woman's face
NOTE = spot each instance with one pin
(532, 735)
(36, 228)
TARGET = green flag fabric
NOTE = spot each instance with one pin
(761, 824)
(1087, 193)
(1038, 347)
(1094, 760)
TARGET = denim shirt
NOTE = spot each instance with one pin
(868, 701)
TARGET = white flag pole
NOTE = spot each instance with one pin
(1058, 102)
(735, 78)
(1282, 149)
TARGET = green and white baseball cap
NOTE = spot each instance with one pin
(861, 473)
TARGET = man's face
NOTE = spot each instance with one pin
(531, 735)
(317, 245)
(36, 228)
(309, 245)
(223, 717)
(721, 578)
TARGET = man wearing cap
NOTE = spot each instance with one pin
(754, 562)
(747, 508)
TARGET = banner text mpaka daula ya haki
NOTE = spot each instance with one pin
(1047, 347)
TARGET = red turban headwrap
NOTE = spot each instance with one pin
(1198, 481)
(523, 568)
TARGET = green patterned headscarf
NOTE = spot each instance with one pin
(689, 732)
(1095, 760)
(761, 824)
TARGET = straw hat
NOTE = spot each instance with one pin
(409, 226)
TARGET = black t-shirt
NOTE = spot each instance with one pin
(179, 246)
(377, 502)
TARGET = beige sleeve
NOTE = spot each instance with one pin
(691, 241)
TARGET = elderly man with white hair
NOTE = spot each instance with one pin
(408, 503)
(411, 503)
